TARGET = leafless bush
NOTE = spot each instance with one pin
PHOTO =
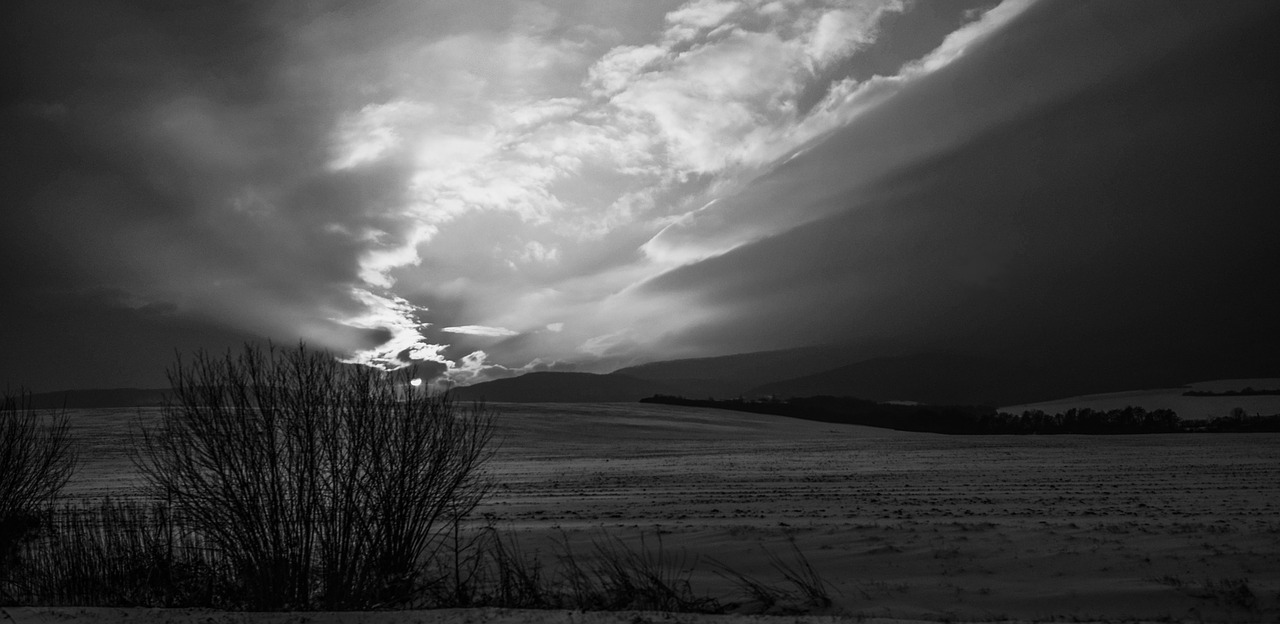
(36, 460)
(323, 485)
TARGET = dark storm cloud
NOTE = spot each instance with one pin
(168, 150)
(1097, 185)
(307, 170)
(537, 173)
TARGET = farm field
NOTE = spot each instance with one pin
(902, 525)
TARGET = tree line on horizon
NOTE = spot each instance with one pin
(983, 420)
(1246, 391)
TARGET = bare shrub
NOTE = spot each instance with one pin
(36, 460)
(322, 485)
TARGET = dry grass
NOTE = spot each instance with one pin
(133, 554)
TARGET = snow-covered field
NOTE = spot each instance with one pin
(902, 525)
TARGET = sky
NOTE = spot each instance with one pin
(487, 188)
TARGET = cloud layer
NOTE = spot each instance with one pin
(548, 174)
(491, 188)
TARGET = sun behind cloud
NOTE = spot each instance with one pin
(592, 149)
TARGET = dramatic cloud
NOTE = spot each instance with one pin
(1099, 210)
(653, 130)
(481, 330)
(486, 189)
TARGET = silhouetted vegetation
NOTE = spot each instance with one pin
(808, 588)
(121, 554)
(614, 574)
(981, 420)
(1239, 421)
(36, 460)
(286, 481)
(322, 485)
(1246, 391)
(138, 554)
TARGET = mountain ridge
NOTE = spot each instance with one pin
(95, 398)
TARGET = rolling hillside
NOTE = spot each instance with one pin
(562, 387)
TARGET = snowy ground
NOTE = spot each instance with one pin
(903, 525)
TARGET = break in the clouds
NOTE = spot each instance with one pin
(546, 169)
(490, 188)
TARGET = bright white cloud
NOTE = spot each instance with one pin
(841, 31)
(481, 330)
(373, 131)
(591, 143)
(955, 43)
(535, 251)
(474, 368)
(600, 346)
(376, 264)
(620, 65)
(698, 15)
(400, 318)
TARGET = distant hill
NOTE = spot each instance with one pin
(933, 378)
(732, 375)
(936, 379)
(113, 397)
(562, 387)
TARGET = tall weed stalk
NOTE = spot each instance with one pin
(120, 554)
